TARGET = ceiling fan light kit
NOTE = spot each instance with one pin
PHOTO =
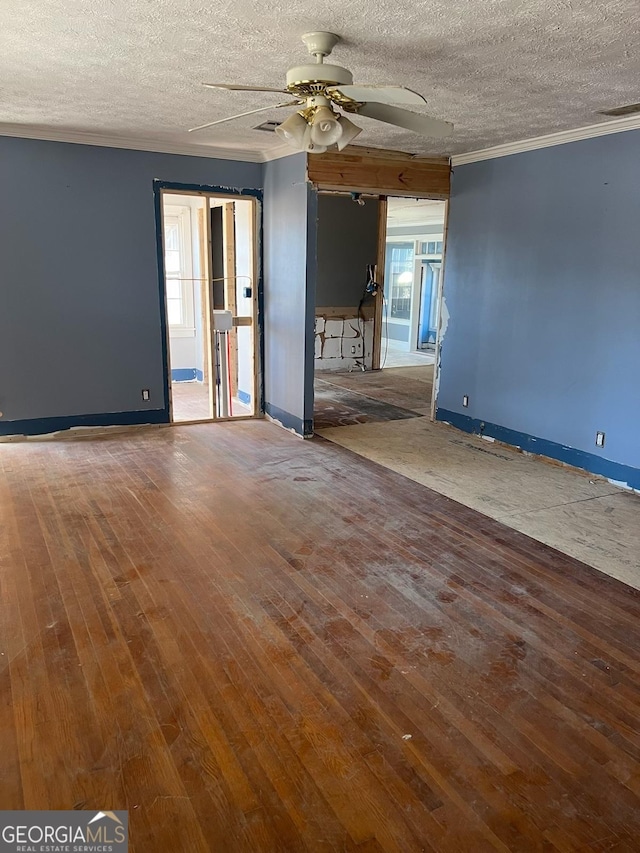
(292, 130)
(349, 132)
(316, 133)
(320, 88)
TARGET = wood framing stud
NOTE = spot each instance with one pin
(390, 173)
(230, 300)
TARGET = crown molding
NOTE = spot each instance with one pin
(560, 138)
(133, 143)
(79, 137)
(283, 149)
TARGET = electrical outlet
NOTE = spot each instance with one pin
(145, 394)
(465, 401)
(599, 439)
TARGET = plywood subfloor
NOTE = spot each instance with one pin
(580, 514)
(255, 643)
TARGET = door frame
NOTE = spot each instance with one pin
(160, 188)
(378, 314)
(382, 294)
(438, 346)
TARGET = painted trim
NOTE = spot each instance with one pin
(188, 149)
(258, 195)
(590, 462)
(244, 397)
(560, 138)
(42, 426)
(208, 189)
(186, 374)
(303, 428)
(164, 327)
(258, 337)
(279, 151)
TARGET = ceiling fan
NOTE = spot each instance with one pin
(319, 89)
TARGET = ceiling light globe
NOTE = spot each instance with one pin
(349, 132)
(293, 131)
(325, 127)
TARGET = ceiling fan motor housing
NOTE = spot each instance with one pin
(322, 73)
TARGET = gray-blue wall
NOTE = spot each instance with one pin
(347, 243)
(80, 330)
(289, 292)
(542, 284)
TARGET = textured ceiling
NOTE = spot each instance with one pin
(501, 70)
(409, 211)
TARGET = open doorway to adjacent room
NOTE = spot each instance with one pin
(413, 277)
(209, 251)
(378, 294)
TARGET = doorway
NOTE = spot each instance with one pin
(378, 294)
(210, 302)
(413, 267)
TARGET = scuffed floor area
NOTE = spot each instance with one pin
(255, 643)
(336, 406)
(381, 395)
(577, 513)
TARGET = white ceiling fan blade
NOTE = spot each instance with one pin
(241, 115)
(236, 87)
(424, 125)
(382, 95)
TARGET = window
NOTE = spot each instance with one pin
(178, 269)
(431, 247)
(400, 277)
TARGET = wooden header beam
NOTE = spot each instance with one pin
(384, 172)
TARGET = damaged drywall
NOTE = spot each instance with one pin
(444, 325)
(343, 341)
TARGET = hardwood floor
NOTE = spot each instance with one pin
(191, 402)
(383, 395)
(255, 644)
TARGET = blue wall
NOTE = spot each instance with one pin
(347, 242)
(289, 288)
(80, 330)
(542, 284)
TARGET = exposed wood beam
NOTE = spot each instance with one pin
(388, 173)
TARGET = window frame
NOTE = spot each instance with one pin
(181, 215)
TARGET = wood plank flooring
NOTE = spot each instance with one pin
(406, 387)
(255, 644)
